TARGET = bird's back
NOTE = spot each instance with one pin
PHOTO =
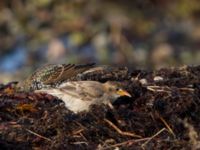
(52, 74)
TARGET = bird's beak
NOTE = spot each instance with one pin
(123, 93)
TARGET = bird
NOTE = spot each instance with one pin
(78, 96)
(51, 75)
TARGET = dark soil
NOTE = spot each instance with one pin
(163, 113)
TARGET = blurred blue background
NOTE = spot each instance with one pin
(142, 34)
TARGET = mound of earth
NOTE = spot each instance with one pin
(163, 113)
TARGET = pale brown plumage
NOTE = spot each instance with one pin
(80, 95)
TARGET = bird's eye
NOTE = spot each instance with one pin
(117, 89)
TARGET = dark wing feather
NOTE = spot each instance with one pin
(82, 68)
(55, 74)
(73, 71)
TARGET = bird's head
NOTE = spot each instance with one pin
(115, 90)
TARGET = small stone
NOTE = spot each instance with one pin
(158, 78)
(143, 81)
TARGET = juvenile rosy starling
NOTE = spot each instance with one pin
(78, 96)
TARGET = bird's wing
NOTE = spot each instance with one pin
(53, 73)
(70, 72)
(84, 90)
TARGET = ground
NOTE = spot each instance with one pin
(163, 113)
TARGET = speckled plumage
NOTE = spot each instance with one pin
(51, 75)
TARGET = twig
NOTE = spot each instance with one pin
(132, 141)
(157, 89)
(148, 139)
(80, 131)
(187, 89)
(143, 145)
(38, 135)
(80, 125)
(167, 126)
(79, 143)
(81, 134)
(77, 131)
(120, 131)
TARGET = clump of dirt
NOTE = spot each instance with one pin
(163, 113)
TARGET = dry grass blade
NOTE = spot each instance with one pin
(77, 131)
(79, 143)
(38, 135)
(167, 126)
(158, 89)
(129, 142)
(159, 132)
(120, 131)
(187, 89)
